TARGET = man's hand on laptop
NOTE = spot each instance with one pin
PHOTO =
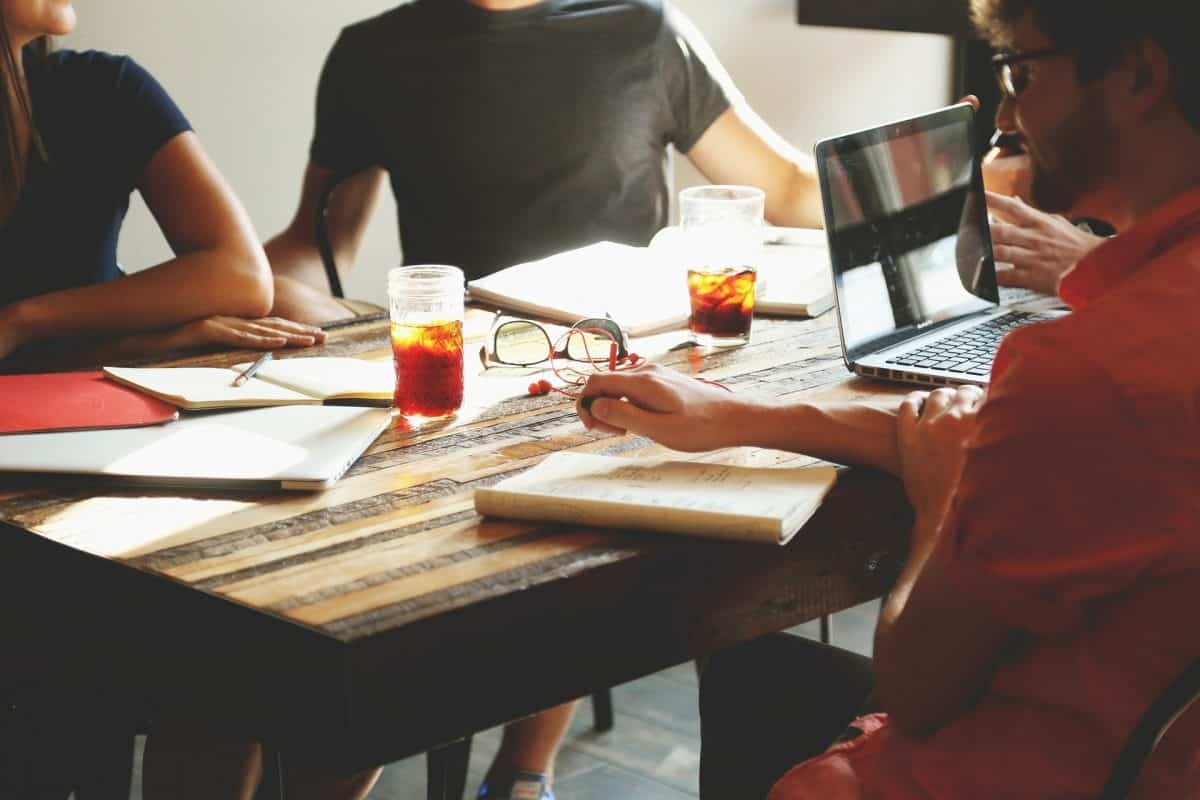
(1040, 247)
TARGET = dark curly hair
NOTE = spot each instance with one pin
(1097, 30)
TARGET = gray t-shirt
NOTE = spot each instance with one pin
(513, 135)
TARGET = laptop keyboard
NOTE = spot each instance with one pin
(969, 352)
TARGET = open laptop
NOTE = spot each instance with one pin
(306, 448)
(913, 273)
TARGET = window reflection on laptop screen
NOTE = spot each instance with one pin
(909, 241)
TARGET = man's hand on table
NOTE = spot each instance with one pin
(662, 404)
(297, 300)
(932, 432)
(1041, 247)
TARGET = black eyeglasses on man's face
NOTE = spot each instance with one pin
(1012, 69)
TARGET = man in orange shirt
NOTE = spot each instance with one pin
(1055, 560)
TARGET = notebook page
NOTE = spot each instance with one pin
(635, 287)
(678, 496)
(204, 387)
(331, 377)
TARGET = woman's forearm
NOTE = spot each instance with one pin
(235, 281)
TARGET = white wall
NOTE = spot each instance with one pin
(245, 73)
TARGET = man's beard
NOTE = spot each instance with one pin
(1048, 194)
(1082, 149)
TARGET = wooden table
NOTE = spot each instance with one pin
(381, 617)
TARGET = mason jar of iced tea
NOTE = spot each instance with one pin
(426, 304)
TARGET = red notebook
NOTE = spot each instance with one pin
(68, 401)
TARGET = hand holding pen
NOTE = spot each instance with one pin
(672, 408)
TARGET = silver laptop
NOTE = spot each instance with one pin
(913, 273)
(304, 447)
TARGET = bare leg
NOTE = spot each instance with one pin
(531, 744)
(302, 784)
(190, 763)
(186, 762)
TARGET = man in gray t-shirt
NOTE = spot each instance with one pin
(510, 135)
(513, 129)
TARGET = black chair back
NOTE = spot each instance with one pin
(1159, 717)
(323, 243)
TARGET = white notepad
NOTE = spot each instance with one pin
(643, 294)
(795, 279)
(292, 381)
(694, 498)
(286, 447)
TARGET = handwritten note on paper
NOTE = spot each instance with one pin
(704, 487)
(690, 497)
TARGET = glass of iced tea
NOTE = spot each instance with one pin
(721, 245)
(427, 341)
(722, 305)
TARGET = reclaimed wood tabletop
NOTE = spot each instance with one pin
(383, 616)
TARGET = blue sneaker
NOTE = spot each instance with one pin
(523, 786)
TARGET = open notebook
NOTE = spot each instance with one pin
(694, 498)
(292, 447)
(291, 381)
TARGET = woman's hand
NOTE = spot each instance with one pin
(218, 332)
(1041, 247)
(265, 333)
(932, 432)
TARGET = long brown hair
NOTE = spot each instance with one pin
(16, 114)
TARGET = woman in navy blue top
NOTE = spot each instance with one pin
(79, 131)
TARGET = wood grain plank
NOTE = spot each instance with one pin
(321, 538)
(463, 537)
(370, 598)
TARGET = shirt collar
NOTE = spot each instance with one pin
(1104, 267)
(482, 19)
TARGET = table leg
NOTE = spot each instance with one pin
(271, 785)
(446, 770)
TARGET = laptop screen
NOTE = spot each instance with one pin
(907, 225)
